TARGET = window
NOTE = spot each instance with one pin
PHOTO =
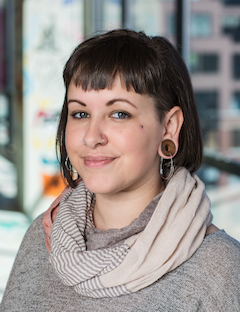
(200, 25)
(236, 66)
(231, 26)
(111, 14)
(204, 62)
(207, 108)
(171, 24)
(236, 138)
(208, 113)
(235, 102)
(231, 2)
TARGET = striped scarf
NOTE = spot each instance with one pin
(174, 232)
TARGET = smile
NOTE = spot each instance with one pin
(97, 161)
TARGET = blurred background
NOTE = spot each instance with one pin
(36, 39)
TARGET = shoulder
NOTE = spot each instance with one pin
(32, 246)
(27, 267)
(216, 261)
(36, 224)
(220, 246)
(34, 233)
(208, 281)
(217, 269)
(219, 254)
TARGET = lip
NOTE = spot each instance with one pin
(97, 161)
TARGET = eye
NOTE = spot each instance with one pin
(80, 115)
(120, 115)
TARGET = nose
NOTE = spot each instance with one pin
(94, 135)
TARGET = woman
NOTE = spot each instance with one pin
(132, 231)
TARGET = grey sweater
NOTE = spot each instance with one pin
(208, 281)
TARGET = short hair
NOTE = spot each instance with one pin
(147, 65)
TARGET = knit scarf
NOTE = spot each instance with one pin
(174, 232)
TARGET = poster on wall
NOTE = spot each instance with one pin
(51, 30)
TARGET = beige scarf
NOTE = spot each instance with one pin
(175, 231)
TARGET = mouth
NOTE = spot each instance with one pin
(97, 161)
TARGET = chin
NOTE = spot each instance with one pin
(99, 186)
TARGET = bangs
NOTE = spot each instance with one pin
(96, 64)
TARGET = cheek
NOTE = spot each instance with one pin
(141, 142)
(72, 138)
(149, 141)
(67, 137)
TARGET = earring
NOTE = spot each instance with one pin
(168, 149)
(171, 170)
(67, 165)
(67, 162)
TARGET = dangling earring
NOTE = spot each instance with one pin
(67, 163)
(171, 170)
(168, 149)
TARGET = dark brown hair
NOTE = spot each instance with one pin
(148, 65)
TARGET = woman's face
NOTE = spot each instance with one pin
(128, 124)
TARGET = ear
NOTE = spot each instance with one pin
(172, 124)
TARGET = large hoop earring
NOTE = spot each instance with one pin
(67, 165)
(162, 169)
(168, 149)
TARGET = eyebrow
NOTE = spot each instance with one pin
(76, 101)
(109, 103)
(120, 100)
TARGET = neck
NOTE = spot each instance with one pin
(116, 211)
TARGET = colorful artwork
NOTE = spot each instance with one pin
(50, 32)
